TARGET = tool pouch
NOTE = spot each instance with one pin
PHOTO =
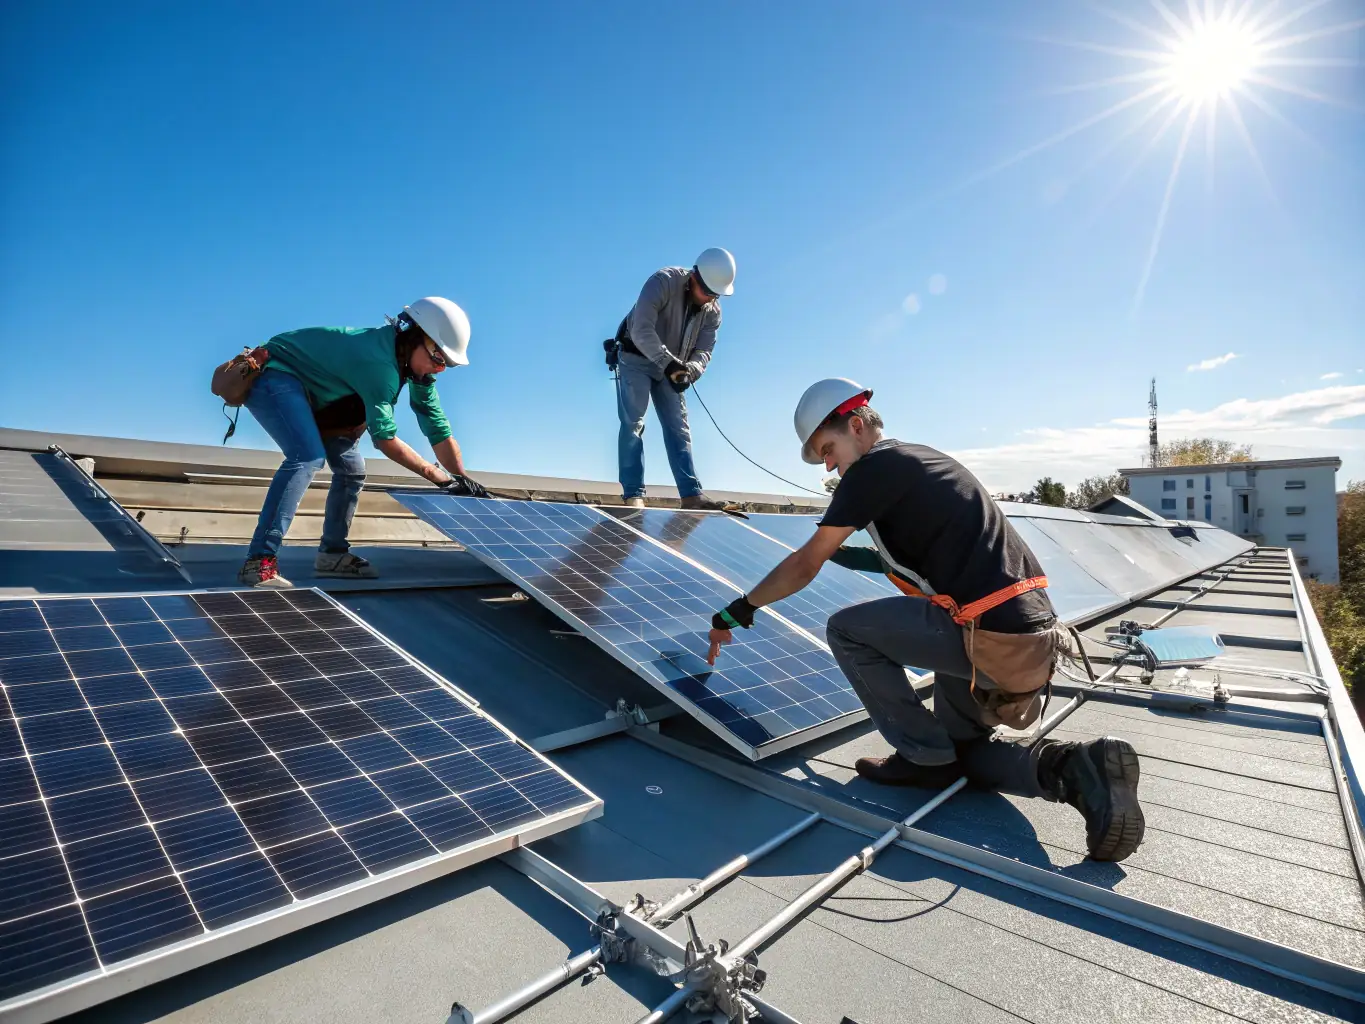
(232, 381)
(1017, 667)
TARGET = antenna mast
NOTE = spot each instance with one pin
(1153, 448)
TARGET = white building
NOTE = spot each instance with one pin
(1283, 502)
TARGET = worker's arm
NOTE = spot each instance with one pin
(645, 315)
(700, 355)
(394, 448)
(791, 575)
(448, 454)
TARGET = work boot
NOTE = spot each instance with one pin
(895, 770)
(633, 502)
(1099, 778)
(343, 566)
(701, 503)
(263, 573)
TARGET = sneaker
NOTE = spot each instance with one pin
(344, 566)
(633, 502)
(895, 770)
(1099, 778)
(264, 573)
(701, 503)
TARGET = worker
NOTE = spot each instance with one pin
(321, 389)
(986, 628)
(662, 348)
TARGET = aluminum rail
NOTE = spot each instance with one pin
(860, 861)
(697, 890)
(1263, 954)
(510, 1004)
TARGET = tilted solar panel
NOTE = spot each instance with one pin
(744, 556)
(651, 609)
(182, 776)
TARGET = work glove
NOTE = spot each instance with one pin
(738, 612)
(679, 376)
(464, 487)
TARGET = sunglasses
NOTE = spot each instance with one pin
(701, 285)
(436, 355)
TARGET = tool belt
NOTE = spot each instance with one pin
(620, 343)
(1017, 666)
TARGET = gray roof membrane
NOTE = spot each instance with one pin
(1245, 830)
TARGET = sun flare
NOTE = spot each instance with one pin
(1212, 60)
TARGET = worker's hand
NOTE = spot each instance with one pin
(719, 638)
(681, 382)
(465, 487)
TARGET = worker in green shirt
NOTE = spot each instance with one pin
(322, 388)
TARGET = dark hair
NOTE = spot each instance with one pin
(407, 336)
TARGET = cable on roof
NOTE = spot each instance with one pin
(742, 455)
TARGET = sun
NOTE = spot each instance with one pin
(1212, 60)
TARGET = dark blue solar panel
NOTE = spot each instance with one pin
(204, 759)
(744, 556)
(651, 609)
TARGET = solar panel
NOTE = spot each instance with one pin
(651, 609)
(744, 556)
(184, 775)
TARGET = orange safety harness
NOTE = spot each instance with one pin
(969, 613)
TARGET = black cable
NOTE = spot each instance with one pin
(742, 455)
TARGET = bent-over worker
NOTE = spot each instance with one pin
(979, 619)
(665, 344)
(321, 389)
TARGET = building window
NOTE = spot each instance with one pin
(1168, 485)
(1246, 502)
(1189, 506)
(1168, 504)
(1208, 483)
(1294, 510)
(1295, 485)
(1208, 509)
(1295, 538)
(1189, 483)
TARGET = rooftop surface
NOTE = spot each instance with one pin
(1243, 903)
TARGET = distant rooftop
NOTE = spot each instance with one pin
(1322, 460)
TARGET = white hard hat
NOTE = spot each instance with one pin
(822, 398)
(446, 324)
(717, 270)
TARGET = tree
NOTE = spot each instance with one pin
(1050, 491)
(1201, 451)
(1096, 488)
(1341, 607)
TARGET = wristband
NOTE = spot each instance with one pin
(739, 613)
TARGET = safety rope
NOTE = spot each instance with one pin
(742, 455)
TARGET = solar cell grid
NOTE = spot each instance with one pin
(159, 780)
(651, 609)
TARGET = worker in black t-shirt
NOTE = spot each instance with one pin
(975, 613)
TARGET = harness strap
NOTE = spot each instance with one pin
(972, 612)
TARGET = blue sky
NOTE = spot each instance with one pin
(180, 180)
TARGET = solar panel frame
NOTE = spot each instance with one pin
(225, 888)
(710, 591)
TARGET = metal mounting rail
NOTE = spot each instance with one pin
(624, 938)
(1263, 954)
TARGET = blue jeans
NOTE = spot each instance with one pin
(280, 404)
(637, 381)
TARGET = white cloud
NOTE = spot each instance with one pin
(1291, 426)
(1330, 376)
(911, 304)
(938, 284)
(1211, 364)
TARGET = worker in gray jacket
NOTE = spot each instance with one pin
(663, 347)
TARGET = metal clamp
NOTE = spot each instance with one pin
(720, 985)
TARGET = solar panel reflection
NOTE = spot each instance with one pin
(175, 764)
(652, 609)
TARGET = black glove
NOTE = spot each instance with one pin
(738, 612)
(679, 376)
(464, 487)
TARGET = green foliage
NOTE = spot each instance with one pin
(1096, 488)
(1201, 451)
(1341, 607)
(1050, 491)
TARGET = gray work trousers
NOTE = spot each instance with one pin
(874, 642)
